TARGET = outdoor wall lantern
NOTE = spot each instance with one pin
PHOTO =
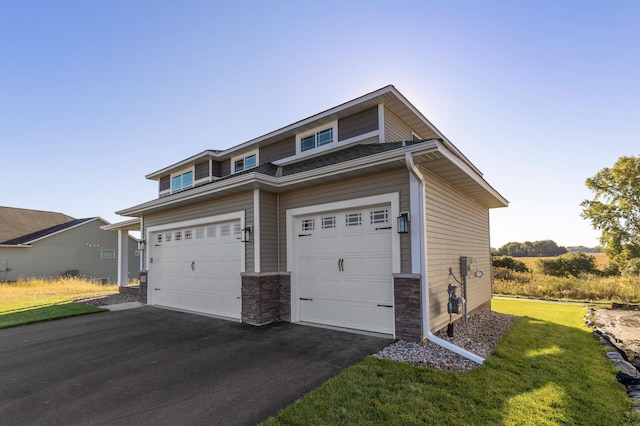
(141, 244)
(245, 234)
(403, 223)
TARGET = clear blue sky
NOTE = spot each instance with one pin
(94, 95)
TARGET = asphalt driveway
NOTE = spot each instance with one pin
(156, 366)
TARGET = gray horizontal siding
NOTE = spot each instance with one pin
(282, 149)
(202, 170)
(165, 183)
(232, 203)
(225, 168)
(396, 180)
(358, 124)
(268, 231)
(456, 226)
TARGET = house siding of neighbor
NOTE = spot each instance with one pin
(73, 247)
(301, 224)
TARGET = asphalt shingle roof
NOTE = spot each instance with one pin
(24, 239)
(16, 222)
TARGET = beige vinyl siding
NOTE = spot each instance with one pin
(282, 149)
(268, 231)
(230, 204)
(456, 226)
(396, 180)
(395, 130)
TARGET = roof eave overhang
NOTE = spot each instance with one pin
(388, 95)
(424, 153)
(127, 225)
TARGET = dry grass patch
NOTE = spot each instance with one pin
(38, 289)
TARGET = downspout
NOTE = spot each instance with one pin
(419, 217)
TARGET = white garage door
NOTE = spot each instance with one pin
(344, 269)
(197, 268)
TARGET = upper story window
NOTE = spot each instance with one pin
(181, 181)
(246, 161)
(316, 138)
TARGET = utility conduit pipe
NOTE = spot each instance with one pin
(424, 291)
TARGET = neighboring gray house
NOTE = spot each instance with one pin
(41, 244)
(305, 224)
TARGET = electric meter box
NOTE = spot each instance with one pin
(466, 262)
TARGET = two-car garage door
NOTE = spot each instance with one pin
(343, 269)
(197, 268)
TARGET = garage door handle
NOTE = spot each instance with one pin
(193, 266)
(341, 265)
(157, 289)
(385, 306)
(380, 229)
(305, 298)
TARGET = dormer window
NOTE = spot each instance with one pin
(181, 181)
(316, 138)
(245, 161)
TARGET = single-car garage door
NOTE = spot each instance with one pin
(197, 268)
(344, 267)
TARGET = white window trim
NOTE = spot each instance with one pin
(103, 252)
(328, 147)
(191, 169)
(244, 156)
(392, 199)
(333, 125)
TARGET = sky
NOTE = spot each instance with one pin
(539, 95)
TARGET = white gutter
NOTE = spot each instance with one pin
(419, 217)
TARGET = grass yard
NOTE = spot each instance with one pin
(548, 369)
(29, 301)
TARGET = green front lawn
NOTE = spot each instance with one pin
(548, 369)
(19, 313)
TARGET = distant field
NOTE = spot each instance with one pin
(601, 260)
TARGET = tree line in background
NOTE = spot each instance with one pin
(544, 248)
(614, 210)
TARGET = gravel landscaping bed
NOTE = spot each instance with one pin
(479, 335)
(108, 299)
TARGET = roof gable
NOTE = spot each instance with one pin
(15, 222)
(43, 233)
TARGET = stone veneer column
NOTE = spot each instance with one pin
(408, 312)
(266, 297)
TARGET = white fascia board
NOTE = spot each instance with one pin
(418, 114)
(15, 245)
(275, 133)
(125, 225)
(471, 172)
(180, 164)
(308, 120)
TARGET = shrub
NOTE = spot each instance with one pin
(509, 263)
(570, 264)
(632, 267)
(610, 270)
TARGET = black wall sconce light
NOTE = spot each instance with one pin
(403, 223)
(141, 244)
(245, 234)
